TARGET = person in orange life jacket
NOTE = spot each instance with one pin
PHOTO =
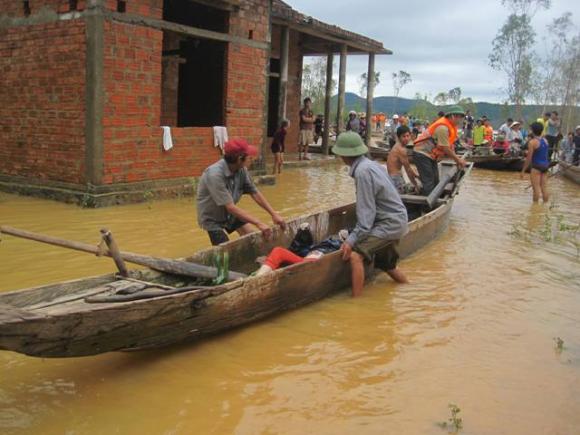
(437, 142)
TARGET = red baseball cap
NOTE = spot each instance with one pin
(239, 146)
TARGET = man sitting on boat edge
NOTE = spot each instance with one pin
(381, 216)
(221, 187)
(436, 143)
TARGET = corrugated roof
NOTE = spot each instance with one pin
(284, 12)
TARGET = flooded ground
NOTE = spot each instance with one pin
(475, 328)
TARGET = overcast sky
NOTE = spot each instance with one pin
(442, 44)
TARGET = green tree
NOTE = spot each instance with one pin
(423, 110)
(512, 54)
(314, 83)
(362, 82)
(526, 7)
(441, 98)
(468, 104)
(455, 94)
(400, 79)
(512, 49)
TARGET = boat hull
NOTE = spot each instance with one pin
(570, 171)
(497, 163)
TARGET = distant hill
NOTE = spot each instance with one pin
(496, 112)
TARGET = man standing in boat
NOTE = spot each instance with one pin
(381, 216)
(221, 187)
(436, 143)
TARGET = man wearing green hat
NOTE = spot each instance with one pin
(436, 143)
(380, 213)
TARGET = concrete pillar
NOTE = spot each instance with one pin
(284, 52)
(327, 96)
(370, 94)
(341, 89)
(95, 93)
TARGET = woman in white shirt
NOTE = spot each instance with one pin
(515, 137)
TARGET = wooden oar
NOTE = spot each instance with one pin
(176, 267)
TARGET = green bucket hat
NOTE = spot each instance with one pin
(455, 110)
(349, 144)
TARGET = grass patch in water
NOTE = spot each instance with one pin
(559, 344)
(554, 229)
(454, 423)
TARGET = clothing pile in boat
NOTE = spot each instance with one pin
(302, 249)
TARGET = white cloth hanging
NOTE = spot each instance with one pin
(220, 137)
(167, 139)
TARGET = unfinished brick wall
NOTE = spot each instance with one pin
(42, 96)
(132, 133)
(145, 8)
(42, 100)
(246, 79)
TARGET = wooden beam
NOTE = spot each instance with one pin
(327, 95)
(284, 53)
(353, 45)
(370, 95)
(183, 30)
(341, 89)
(226, 5)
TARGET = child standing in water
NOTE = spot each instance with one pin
(278, 145)
(537, 158)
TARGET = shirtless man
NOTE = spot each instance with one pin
(398, 159)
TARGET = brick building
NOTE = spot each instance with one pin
(85, 86)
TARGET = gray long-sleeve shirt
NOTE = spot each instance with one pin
(380, 210)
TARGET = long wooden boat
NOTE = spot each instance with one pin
(379, 153)
(497, 162)
(570, 171)
(151, 309)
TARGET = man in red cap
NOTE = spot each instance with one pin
(221, 187)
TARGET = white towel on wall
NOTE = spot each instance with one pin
(220, 137)
(167, 140)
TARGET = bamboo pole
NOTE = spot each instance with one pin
(176, 267)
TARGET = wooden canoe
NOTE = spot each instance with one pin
(90, 316)
(496, 162)
(570, 171)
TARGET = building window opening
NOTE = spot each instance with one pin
(73, 5)
(193, 81)
(26, 7)
(193, 77)
(121, 6)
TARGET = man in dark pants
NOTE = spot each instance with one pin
(437, 142)
(381, 216)
(221, 187)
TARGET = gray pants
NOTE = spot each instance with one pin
(399, 182)
(428, 172)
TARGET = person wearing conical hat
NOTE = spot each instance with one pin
(436, 143)
(381, 216)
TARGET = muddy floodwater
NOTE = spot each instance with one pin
(475, 328)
